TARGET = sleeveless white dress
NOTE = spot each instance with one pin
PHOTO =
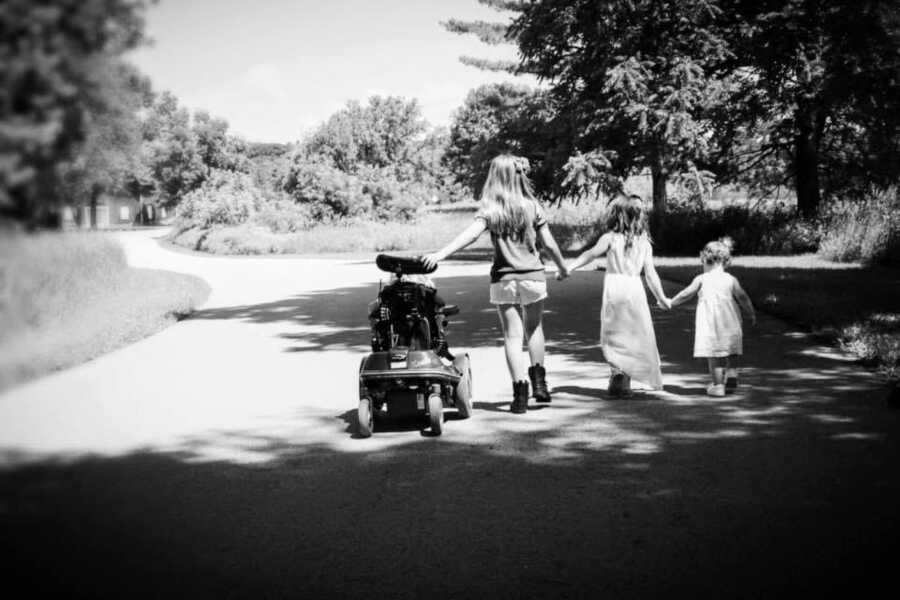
(626, 329)
(717, 331)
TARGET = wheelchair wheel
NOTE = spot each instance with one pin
(436, 413)
(365, 417)
(464, 387)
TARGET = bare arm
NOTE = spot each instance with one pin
(599, 249)
(466, 237)
(687, 293)
(653, 282)
(546, 237)
(744, 300)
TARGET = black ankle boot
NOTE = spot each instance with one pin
(520, 397)
(539, 383)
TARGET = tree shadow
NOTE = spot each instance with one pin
(788, 488)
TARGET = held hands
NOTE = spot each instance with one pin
(562, 272)
(664, 303)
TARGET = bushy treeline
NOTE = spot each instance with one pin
(376, 161)
(763, 94)
(77, 122)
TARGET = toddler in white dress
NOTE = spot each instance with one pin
(718, 335)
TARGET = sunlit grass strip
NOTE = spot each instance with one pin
(72, 297)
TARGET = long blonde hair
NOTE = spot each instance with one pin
(626, 216)
(508, 204)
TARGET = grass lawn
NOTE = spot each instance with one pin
(572, 227)
(68, 297)
(855, 306)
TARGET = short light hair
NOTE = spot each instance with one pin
(717, 252)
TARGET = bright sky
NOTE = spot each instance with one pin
(276, 68)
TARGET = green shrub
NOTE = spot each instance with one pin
(391, 199)
(685, 228)
(283, 215)
(225, 198)
(867, 231)
(240, 239)
(328, 192)
(331, 193)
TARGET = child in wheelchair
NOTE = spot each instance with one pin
(396, 315)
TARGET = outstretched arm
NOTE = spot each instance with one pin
(687, 293)
(546, 237)
(599, 249)
(744, 300)
(466, 237)
(653, 281)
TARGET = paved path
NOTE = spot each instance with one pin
(217, 458)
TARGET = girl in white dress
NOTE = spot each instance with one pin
(626, 329)
(718, 335)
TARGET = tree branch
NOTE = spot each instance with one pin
(489, 33)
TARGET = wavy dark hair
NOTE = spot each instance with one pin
(627, 216)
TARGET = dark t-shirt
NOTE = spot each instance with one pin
(514, 256)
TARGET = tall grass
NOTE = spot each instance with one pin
(71, 297)
(429, 232)
(867, 231)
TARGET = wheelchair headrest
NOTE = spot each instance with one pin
(401, 265)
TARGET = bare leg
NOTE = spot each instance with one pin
(534, 331)
(717, 370)
(711, 362)
(731, 374)
(511, 323)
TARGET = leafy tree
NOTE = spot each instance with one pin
(212, 140)
(380, 134)
(635, 78)
(817, 91)
(53, 54)
(588, 174)
(108, 160)
(503, 117)
(173, 153)
(329, 191)
(490, 32)
(268, 163)
(224, 198)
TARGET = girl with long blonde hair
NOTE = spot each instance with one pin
(516, 222)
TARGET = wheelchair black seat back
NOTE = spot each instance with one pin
(409, 313)
(405, 316)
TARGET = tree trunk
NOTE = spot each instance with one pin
(658, 175)
(806, 166)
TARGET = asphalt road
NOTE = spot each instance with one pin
(218, 459)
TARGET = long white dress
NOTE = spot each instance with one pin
(717, 331)
(626, 329)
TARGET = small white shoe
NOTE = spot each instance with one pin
(716, 389)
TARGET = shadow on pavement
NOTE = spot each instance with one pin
(789, 487)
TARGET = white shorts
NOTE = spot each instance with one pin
(515, 291)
